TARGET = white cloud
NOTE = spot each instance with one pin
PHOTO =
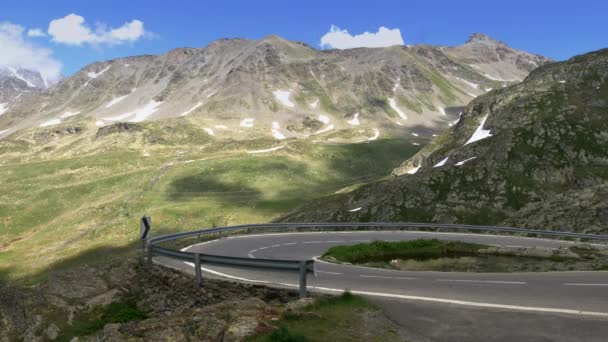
(17, 52)
(340, 39)
(35, 32)
(73, 30)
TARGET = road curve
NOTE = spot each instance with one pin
(575, 293)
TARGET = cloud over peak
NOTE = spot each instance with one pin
(17, 52)
(73, 30)
(337, 38)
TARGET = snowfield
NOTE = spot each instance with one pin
(393, 105)
(480, 133)
(283, 97)
(247, 122)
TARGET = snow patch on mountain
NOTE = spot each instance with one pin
(324, 119)
(93, 75)
(51, 122)
(355, 120)
(209, 131)
(470, 84)
(413, 170)
(3, 108)
(393, 105)
(283, 97)
(195, 107)
(116, 100)
(464, 161)
(276, 133)
(140, 114)
(19, 76)
(480, 133)
(442, 162)
(314, 104)
(68, 114)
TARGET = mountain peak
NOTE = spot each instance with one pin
(478, 37)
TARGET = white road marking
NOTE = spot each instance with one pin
(273, 246)
(482, 281)
(420, 298)
(307, 242)
(251, 256)
(289, 244)
(334, 241)
(583, 284)
(327, 272)
(373, 276)
(383, 277)
(262, 248)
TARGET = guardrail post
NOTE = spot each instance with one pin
(303, 272)
(149, 253)
(197, 270)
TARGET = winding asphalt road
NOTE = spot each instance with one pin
(570, 299)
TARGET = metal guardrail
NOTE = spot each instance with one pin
(150, 246)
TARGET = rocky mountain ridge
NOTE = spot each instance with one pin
(534, 155)
(238, 88)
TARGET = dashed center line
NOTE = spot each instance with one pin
(584, 284)
(383, 277)
(482, 281)
(313, 241)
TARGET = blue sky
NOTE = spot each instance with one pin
(557, 29)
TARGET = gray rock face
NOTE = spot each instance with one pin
(276, 80)
(534, 155)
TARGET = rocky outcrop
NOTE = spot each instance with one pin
(174, 307)
(533, 154)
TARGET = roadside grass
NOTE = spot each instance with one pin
(54, 209)
(340, 318)
(456, 256)
(420, 249)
